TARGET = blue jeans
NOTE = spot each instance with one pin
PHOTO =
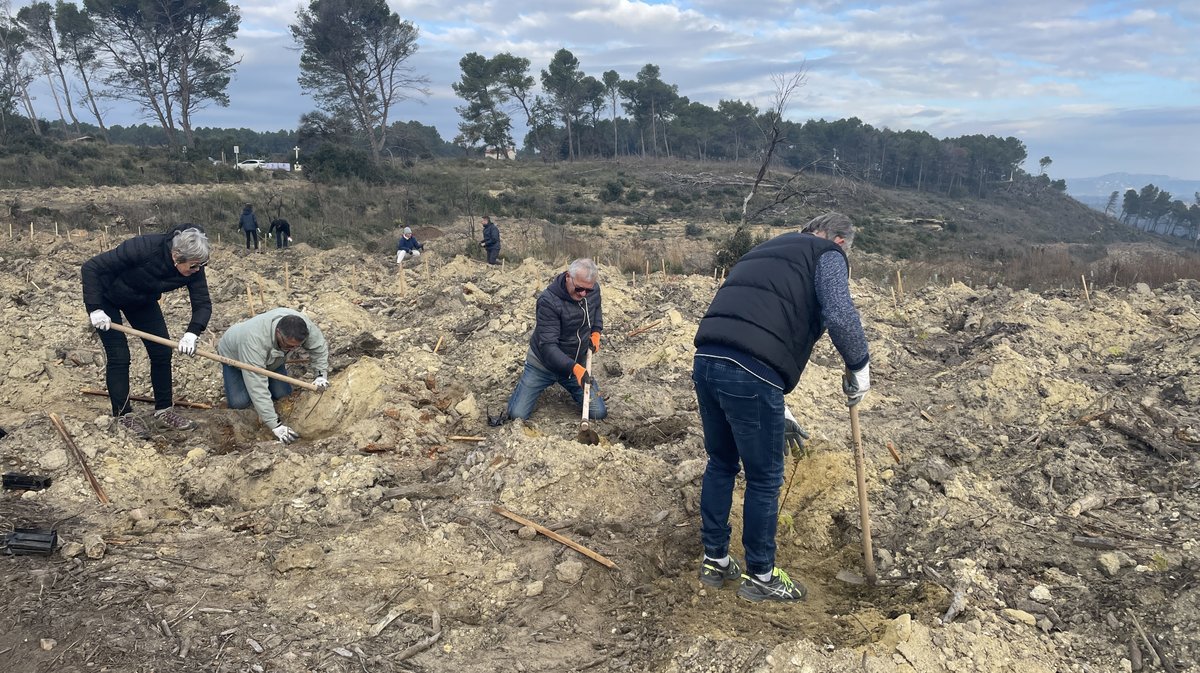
(742, 417)
(236, 395)
(537, 378)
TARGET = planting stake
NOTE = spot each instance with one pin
(249, 301)
(1086, 295)
(556, 537)
(87, 472)
(864, 508)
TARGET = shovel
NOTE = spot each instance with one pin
(586, 434)
(864, 508)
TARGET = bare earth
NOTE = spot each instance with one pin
(1047, 485)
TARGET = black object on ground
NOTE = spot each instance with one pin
(24, 541)
(12, 481)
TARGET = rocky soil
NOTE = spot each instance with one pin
(1043, 513)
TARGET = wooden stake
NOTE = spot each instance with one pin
(664, 267)
(218, 238)
(1086, 294)
(287, 279)
(634, 283)
(899, 285)
(68, 234)
(31, 230)
(895, 302)
(249, 301)
(87, 472)
(10, 234)
(647, 265)
(892, 450)
(56, 229)
(466, 438)
(439, 344)
(140, 398)
(556, 537)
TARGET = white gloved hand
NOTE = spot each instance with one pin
(100, 319)
(321, 383)
(856, 384)
(284, 434)
(187, 344)
(793, 434)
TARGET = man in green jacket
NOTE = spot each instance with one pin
(264, 341)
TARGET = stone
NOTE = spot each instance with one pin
(1110, 564)
(144, 526)
(303, 556)
(534, 589)
(47, 643)
(569, 571)
(54, 459)
(1119, 370)
(1019, 617)
(25, 368)
(196, 455)
(1142, 288)
(526, 532)
(468, 406)
(675, 317)
(690, 470)
(70, 550)
(1041, 594)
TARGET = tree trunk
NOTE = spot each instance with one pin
(87, 87)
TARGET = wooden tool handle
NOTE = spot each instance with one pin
(587, 391)
(218, 358)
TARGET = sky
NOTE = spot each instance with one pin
(1099, 86)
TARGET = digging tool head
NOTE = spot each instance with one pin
(587, 435)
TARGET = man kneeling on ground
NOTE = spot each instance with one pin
(264, 341)
(569, 322)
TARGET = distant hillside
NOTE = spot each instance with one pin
(1104, 185)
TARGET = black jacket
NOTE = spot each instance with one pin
(564, 326)
(138, 272)
(282, 226)
(248, 221)
(768, 308)
(491, 235)
(408, 244)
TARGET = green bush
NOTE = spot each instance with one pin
(731, 249)
(693, 230)
(612, 191)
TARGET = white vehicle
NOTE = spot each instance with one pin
(249, 164)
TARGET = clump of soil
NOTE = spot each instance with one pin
(1046, 486)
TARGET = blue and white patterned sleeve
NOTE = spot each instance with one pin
(837, 310)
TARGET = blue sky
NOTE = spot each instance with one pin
(1100, 87)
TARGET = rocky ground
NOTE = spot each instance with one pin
(1042, 515)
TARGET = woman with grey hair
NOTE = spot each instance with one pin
(130, 279)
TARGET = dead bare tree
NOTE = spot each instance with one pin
(785, 87)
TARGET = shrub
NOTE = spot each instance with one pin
(693, 230)
(612, 191)
(731, 249)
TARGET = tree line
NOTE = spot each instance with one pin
(1148, 207)
(173, 58)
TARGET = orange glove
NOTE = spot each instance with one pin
(595, 342)
(581, 375)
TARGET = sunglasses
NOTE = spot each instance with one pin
(196, 266)
(580, 288)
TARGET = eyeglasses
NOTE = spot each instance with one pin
(581, 289)
(192, 266)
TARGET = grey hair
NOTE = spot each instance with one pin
(583, 269)
(191, 245)
(832, 224)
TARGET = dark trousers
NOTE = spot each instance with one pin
(251, 235)
(281, 238)
(493, 255)
(147, 318)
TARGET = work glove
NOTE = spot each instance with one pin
(793, 434)
(321, 383)
(856, 384)
(100, 319)
(187, 344)
(595, 342)
(284, 434)
(581, 375)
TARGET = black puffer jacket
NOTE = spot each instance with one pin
(768, 306)
(139, 271)
(564, 326)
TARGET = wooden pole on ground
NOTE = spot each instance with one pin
(634, 283)
(31, 230)
(218, 358)
(899, 285)
(68, 234)
(1086, 294)
(439, 344)
(647, 269)
(87, 472)
(10, 234)
(864, 508)
(556, 537)
(56, 229)
(663, 261)
(249, 301)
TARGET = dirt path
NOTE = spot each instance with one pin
(1048, 479)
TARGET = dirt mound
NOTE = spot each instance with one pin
(1046, 487)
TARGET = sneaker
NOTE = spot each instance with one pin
(135, 425)
(168, 419)
(779, 588)
(714, 575)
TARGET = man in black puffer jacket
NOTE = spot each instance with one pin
(751, 347)
(569, 322)
(130, 279)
